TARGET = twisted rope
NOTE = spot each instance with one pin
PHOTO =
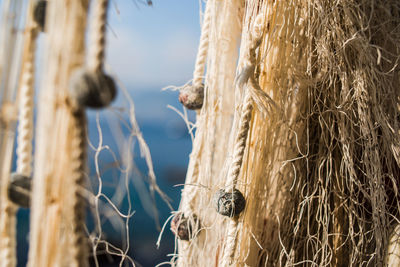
(203, 47)
(8, 253)
(78, 167)
(98, 36)
(240, 143)
(78, 142)
(190, 191)
(25, 116)
(234, 170)
(24, 146)
(253, 94)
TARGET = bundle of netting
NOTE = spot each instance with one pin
(304, 123)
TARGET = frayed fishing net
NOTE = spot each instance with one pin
(320, 170)
(295, 157)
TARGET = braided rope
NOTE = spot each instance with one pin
(98, 36)
(25, 116)
(190, 191)
(240, 143)
(251, 95)
(24, 147)
(78, 167)
(203, 47)
(78, 142)
(8, 240)
(234, 170)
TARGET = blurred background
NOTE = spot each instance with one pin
(149, 47)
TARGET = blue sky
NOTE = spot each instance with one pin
(152, 47)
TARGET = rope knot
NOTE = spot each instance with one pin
(192, 96)
(19, 190)
(39, 14)
(229, 203)
(92, 89)
(185, 228)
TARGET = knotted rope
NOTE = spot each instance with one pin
(191, 191)
(240, 145)
(24, 146)
(253, 95)
(192, 96)
(92, 88)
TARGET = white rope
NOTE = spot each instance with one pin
(98, 36)
(251, 96)
(78, 143)
(203, 47)
(78, 167)
(191, 191)
(24, 145)
(234, 170)
(25, 116)
(8, 253)
(240, 143)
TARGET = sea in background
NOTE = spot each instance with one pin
(170, 144)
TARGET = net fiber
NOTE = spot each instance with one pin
(320, 171)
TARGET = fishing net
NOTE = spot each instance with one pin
(320, 170)
(300, 115)
(82, 179)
